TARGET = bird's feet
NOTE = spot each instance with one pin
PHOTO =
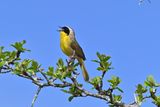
(72, 58)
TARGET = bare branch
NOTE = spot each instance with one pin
(36, 96)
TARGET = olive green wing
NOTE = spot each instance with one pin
(78, 50)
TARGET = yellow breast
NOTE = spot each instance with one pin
(65, 44)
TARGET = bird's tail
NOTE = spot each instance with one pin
(83, 68)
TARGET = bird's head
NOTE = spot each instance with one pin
(66, 29)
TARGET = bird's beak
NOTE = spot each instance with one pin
(60, 29)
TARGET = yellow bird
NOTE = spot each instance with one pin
(71, 48)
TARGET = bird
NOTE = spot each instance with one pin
(72, 49)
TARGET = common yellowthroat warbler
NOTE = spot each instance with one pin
(71, 48)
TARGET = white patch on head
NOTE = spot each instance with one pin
(72, 34)
(71, 30)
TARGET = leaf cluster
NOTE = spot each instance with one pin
(150, 87)
(65, 74)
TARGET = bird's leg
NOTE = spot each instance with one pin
(72, 58)
(70, 62)
(73, 55)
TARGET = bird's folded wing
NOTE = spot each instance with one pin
(78, 50)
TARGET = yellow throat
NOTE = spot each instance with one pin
(65, 44)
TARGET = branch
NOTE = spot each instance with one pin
(36, 96)
(65, 77)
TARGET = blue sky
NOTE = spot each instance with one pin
(129, 33)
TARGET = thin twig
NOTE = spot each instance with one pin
(45, 76)
(101, 83)
(36, 96)
(4, 72)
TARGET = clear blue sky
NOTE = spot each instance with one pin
(120, 28)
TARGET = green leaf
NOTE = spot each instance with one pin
(96, 61)
(19, 46)
(146, 83)
(72, 89)
(60, 63)
(103, 61)
(64, 75)
(117, 98)
(31, 71)
(157, 101)
(57, 74)
(1, 50)
(140, 89)
(60, 66)
(34, 65)
(100, 69)
(50, 71)
(114, 81)
(98, 55)
(26, 65)
(13, 55)
(96, 81)
(5, 55)
(139, 98)
(70, 98)
(26, 62)
(2, 63)
(119, 89)
(150, 81)
(111, 105)
(18, 68)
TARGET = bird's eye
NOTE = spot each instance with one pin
(66, 30)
